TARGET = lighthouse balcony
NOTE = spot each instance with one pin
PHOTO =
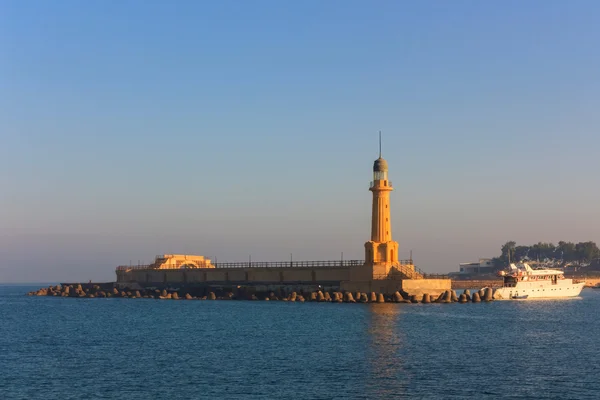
(380, 183)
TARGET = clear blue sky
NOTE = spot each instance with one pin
(236, 128)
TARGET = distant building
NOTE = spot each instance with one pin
(177, 261)
(484, 266)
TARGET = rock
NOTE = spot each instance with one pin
(467, 292)
(497, 295)
(163, 293)
(447, 297)
(137, 293)
(313, 296)
(293, 296)
(357, 296)
(426, 298)
(320, 296)
(115, 291)
(327, 296)
(481, 293)
(267, 298)
(373, 298)
(380, 298)
(488, 296)
(462, 298)
(300, 298)
(413, 299)
(175, 296)
(203, 298)
(253, 297)
(398, 297)
(91, 296)
(348, 298)
(364, 299)
(212, 296)
(440, 297)
(476, 298)
(453, 296)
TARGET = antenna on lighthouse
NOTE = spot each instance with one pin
(379, 144)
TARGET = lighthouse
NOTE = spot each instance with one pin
(381, 252)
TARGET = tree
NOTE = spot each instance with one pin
(566, 251)
(587, 251)
(508, 251)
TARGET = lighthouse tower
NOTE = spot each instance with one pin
(381, 252)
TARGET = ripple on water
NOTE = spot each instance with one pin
(109, 348)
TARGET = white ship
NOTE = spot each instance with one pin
(523, 282)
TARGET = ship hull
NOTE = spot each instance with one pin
(537, 291)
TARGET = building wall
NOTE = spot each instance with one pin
(420, 286)
(340, 277)
(410, 286)
(237, 275)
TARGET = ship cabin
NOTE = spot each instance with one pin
(524, 273)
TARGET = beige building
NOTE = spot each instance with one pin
(174, 261)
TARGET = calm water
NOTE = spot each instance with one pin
(63, 348)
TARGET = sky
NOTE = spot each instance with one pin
(237, 129)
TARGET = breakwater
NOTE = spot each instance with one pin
(476, 283)
(96, 291)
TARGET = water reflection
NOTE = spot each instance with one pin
(386, 374)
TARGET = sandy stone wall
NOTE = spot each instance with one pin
(249, 275)
(286, 276)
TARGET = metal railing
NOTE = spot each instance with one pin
(372, 184)
(259, 264)
(291, 264)
(405, 267)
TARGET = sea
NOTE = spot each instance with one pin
(68, 348)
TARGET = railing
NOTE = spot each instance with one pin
(372, 184)
(431, 276)
(130, 267)
(405, 267)
(260, 264)
(290, 264)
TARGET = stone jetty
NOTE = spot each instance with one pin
(95, 291)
